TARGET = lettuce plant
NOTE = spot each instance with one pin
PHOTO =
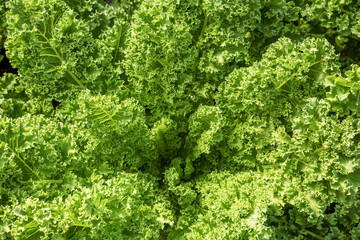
(194, 119)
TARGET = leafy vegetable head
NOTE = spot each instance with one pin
(153, 119)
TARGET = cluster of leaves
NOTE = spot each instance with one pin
(338, 21)
(194, 119)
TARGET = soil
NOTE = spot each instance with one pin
(5, 66)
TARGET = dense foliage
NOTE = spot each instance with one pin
(192, 119)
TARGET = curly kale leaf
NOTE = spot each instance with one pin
(125, 206)
(344, 92)
(56, 51)
(117, 130)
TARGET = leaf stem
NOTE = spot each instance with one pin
(313, 234)
(81, 225)
(196, 63)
